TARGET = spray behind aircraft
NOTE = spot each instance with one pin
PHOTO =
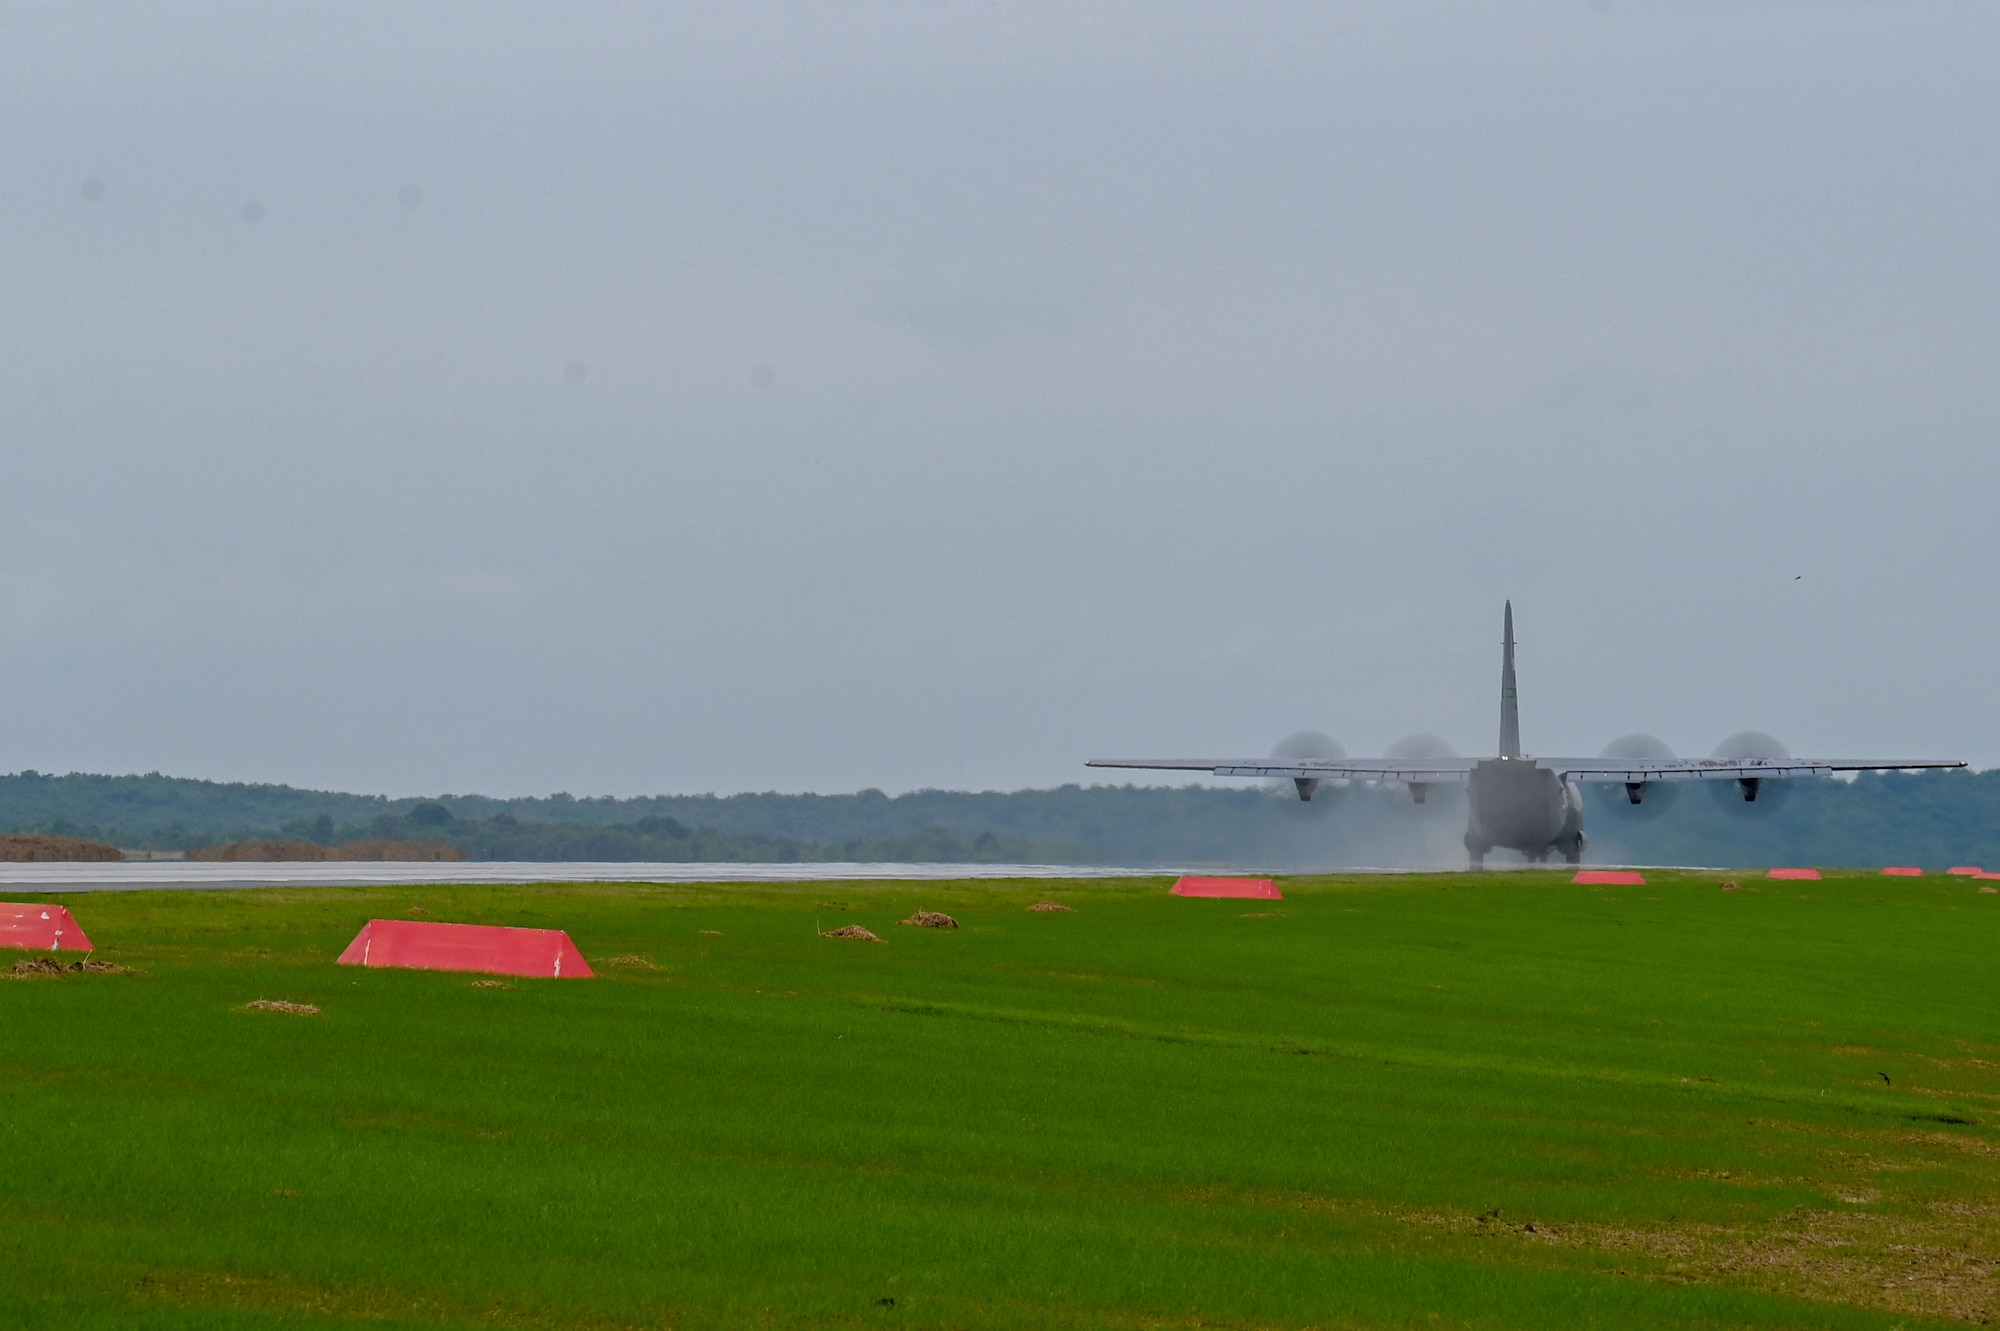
(1522, 802)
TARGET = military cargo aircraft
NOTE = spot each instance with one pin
(1527, 803)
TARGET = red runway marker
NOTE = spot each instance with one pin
(1609, 878)
(1902, 871)
(1793, 873)
(43, 928)
(494, 949)
(1965, 870)
(1228, 887)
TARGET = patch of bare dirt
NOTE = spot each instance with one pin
(1732, 887)
(853, 931)
(1988, 888)
(489, 984)
(33, 848)
(931, 919)
(1935, 1260)
(1045, 906)
(1902, 1249)
(280, 1005)
(51, 966)
(1969, 1145)
(716, 933)
(635, 960)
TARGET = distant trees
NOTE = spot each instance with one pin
(1931, 819)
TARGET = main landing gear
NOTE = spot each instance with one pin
(1572, 847)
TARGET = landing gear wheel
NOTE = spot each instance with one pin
(1477, 849)
(1572, 848)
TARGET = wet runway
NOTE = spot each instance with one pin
(143, 875)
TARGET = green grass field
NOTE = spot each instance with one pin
(1431, 1101)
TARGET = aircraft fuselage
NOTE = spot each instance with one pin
(1516, 805)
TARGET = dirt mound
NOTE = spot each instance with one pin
(280, 1005)
(932, 919)
(263, 852)
(33, 848)
(420, 852)
(851, 931)
(1731, 887)
(1051, 905)
(50, 966)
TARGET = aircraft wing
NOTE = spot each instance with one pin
(1636, 770)
(1456, 771)
(1416, 771)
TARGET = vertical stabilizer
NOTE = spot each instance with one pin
(1510, 704)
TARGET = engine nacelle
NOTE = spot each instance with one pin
(1306, 786)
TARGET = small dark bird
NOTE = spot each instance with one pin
(1885, 1079)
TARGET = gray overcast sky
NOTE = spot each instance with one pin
(631, 398)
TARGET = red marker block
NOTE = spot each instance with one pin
(1793, 873)
(1902, 871)
(1262, 888)
(1609, 878)
(1965, 870)
(43, 928)
(494, 949)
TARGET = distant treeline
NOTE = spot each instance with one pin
(1933, 819)
(655, 837)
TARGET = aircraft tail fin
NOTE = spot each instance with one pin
(1510, 703)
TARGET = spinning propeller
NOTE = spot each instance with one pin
(1655, 797)
(1425, 745)
(1308, 798)
(1750, 799)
